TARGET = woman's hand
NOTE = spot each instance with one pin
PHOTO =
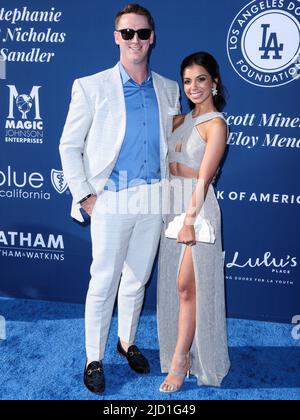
(187, 235)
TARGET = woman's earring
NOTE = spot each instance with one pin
(214, 91)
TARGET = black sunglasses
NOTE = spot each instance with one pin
(128, 33)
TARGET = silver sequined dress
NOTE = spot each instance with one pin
(209, 351)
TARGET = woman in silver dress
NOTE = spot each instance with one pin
(191, 298)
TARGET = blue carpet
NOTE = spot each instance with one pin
(43, 356)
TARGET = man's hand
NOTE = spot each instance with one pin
(88, 204)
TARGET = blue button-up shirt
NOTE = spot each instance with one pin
(139, 158)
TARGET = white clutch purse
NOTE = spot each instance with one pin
(203, 229)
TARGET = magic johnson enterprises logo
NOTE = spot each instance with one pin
(32, 246)
(263, 42)
(24, 123)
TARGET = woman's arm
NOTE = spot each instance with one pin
(216, 136)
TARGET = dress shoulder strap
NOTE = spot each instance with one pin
(206, 117)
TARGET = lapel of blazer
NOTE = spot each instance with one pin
(116, 103)
(159, 88)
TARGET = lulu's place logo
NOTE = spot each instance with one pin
(58, 181)
(282, 265)
(263, 44)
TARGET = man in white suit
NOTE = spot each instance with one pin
(113, 150)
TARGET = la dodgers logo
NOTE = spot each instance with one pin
(270, 44)
(263, 43)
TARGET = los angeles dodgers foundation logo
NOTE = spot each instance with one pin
(263, 43)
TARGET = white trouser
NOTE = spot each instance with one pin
(124, 243)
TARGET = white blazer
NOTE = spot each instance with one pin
(95, 128)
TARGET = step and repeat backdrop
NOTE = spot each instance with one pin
(45, 45)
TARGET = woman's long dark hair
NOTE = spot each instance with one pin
(210, 64)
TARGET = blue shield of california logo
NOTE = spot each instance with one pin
(263, 42)
(58, 181)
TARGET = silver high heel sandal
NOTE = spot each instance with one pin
(168, 386)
